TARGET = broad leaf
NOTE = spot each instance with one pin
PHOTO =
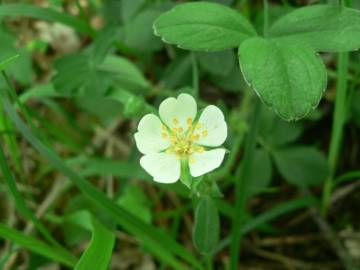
(289, 78)
(203, 26)
(217, 63)
(261, 172)
(206, 227)
(326, 28)
(139, 34)
(275, 132)
(302, 166)
(98, 254)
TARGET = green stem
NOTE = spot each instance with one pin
(195, 74)
(337, 128)
(266, 18)
(241, 178)
(239, 136)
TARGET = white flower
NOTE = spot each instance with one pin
(181, 137)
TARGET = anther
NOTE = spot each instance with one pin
(189, 121)
(175, 121)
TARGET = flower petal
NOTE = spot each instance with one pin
(163, 167)
(149, 136)
(211, 127)
(175, 113)
(201, 163)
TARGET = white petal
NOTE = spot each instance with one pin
(201, 163)
(164, 168)
(149, 136)
(176, 112)
(212, 127)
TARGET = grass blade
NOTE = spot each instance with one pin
(37, 246)
(32, 11)
(271, 214)
(98, 253)
(19, 200)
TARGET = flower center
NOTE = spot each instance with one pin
(183, 143)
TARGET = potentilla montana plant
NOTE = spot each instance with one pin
(181, 143)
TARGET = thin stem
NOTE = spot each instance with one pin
(339, 118)
(337, 128)
(241, 115)
(195, 74)
(266, 18)
(241, 178)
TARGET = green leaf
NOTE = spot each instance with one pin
(94, 79)
(139, 34)
(232, 82)
(130, 8)
(125, 74)
(217, 63)
(7, 61)
(275, 132)
(21, 69)
(32, 11)
(98, 253)
(87, 79)
(289, 78)
(203, 26)
(37, 246)
(178, 73)
(135, 201)
(325, 28)
(261, 172)
(207, 226)
(302, 166)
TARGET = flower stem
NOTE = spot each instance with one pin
(195, 75)
(337, 128)
(242, 175)
(339, 117)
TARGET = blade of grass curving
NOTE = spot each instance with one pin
(7, 128)
(20, 203)
(37, 246)
(32, 11)
(159, 243)
(98, 253)
(7, 61)
(270, 215)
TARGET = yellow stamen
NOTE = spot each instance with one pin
(204, 133)
(195, 137)
(189, 121)
(200, 149)
(175, 121)
(180, 129)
